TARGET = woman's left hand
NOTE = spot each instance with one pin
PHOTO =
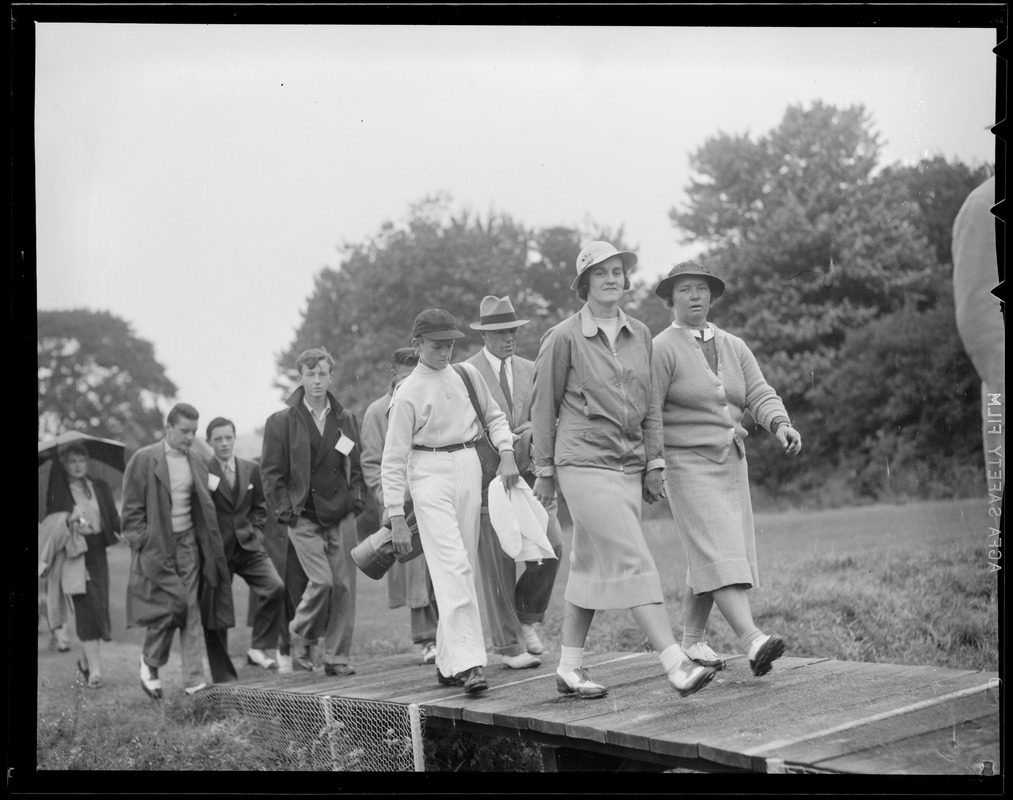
(790, 439)
(507, 471)
(654, 485)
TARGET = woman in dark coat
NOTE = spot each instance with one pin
(92, 514)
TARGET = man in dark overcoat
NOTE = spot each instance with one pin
(313, 484)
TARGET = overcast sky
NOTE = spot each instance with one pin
(194, 179)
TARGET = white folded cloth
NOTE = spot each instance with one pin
(520, 521)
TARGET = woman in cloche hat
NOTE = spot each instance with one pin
(707, 378)
(597, 435)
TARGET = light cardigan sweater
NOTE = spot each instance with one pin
(701, 410)
(431, 407)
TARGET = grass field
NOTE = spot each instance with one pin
(906, 584)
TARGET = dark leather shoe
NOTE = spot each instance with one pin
(302, 659)
(443, 680)
(474, 680)
(769, 652)
(339, 670)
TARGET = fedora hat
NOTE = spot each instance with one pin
(435, 323)
(596, 252)
(497, 314)
(692, 268)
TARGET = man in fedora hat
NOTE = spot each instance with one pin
(515, 606)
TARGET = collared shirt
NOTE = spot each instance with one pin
(609, 415)
(180, 486)
(495, 362)
(705, 335)
(227, 466)
(321, 420)
(431, 407)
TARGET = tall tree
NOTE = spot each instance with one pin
(96, 376)
(938, 188)
(436, 257)
(810, 242)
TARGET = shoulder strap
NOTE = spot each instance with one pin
(471, 393)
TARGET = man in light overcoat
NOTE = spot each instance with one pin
(178, 570)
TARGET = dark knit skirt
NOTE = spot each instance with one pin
(91, 609)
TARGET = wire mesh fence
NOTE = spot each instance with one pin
(310, 732)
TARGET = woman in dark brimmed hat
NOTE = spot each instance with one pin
(597, 435)
(88, 505)
(707, 379)
(430, 447)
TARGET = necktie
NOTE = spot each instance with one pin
(230, 476)
(504, 384)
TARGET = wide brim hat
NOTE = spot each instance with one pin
(435, 323)
(497, 314)
(596, 252)
(689, 268)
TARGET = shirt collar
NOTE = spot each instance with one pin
(172, 451)
(230, 464)
(589, 327)
(494, 361)
(706, 334)
(327, 407)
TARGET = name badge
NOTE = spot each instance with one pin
(213, 481)
(344, 445)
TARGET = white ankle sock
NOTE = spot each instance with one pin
(751, 642)
(690, 636)
(570, 658)
(671, 657)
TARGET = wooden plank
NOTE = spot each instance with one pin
(718, 721)
(661, 712)
(635, 691)
(933, 753)
(954, 714)
(838, 729)
(816, 707)
(536, 689)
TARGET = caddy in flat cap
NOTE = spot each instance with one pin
(497, 314)
(435, 323)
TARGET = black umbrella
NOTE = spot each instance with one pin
(105, 456)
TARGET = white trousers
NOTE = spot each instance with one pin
(446, 489)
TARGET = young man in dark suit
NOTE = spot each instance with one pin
(239, 505)
(313, 484)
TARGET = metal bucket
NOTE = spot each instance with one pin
(374, 555)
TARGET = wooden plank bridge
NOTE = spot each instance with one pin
(807, 715)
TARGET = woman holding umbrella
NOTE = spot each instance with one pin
(90, 514)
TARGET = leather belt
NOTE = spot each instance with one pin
(449, 448)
